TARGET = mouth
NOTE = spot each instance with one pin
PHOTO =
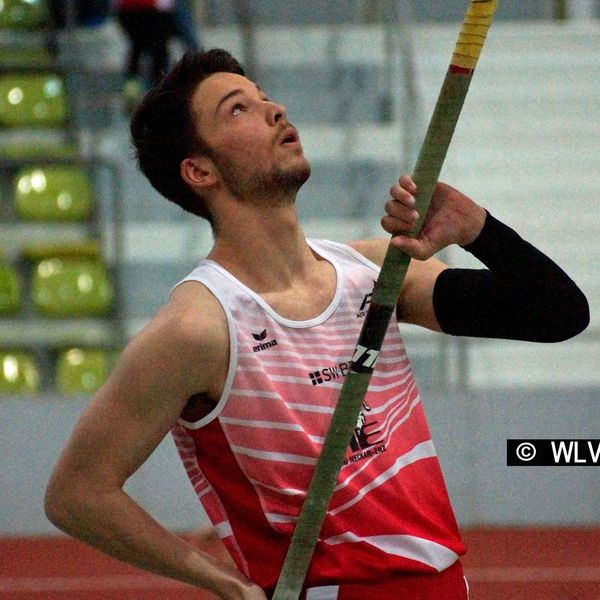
(290, 136)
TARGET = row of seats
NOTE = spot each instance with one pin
(77, 371)
(68, 279)
(61, 279)
(32, 94)
(19, 19)
(34, 102)
(62, 286)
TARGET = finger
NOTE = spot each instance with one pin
(407, 182)
(397, 226)
(400, 211)
(398, 193)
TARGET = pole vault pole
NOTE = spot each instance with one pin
(454, 89)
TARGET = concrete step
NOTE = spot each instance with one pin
(550, 45)
(275, 14)
(283, 12)
(347, 94)
(526, 129)
(548, 162)
(521, 96)
(551, 190)
(537, 40)
(363, 141)
(542, 43)
(515, 364)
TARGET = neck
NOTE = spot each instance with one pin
(263, 246)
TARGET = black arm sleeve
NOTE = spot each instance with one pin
(523, 296)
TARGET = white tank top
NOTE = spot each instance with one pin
(251, 459)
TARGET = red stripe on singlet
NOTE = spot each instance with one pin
(243, 507)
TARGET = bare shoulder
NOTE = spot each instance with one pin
(193, 315)
(187, 341)
(372, 249)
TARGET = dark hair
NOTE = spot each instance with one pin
(163, 129)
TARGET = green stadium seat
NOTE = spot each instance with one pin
(32, 100)
(81, 371)
(10, 289)
(87, 248)
(35, 57)
(53, 194)
(72, 287)
(19, 373)
(23, 14)
(35, 150)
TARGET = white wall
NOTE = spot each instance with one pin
(469, 431)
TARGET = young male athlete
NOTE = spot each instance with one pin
(245, 362)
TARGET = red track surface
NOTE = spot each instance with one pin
(502, 564)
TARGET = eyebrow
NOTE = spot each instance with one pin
(232, 93)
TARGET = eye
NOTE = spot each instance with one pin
(238, 108)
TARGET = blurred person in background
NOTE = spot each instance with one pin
(90, 13)
(187, 30)
(149, 25)
(76, 14)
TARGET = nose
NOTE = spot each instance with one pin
(275, 112)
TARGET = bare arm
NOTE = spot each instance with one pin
(415, 303)
(121, 427)
(522, 295)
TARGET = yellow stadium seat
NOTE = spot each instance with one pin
(23, 14)
(32, 100)
(53, 193)
(72, 287)
(19, 373)
(81, 371)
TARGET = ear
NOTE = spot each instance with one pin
(198, 172)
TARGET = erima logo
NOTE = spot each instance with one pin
(264, 345)
(329, 373)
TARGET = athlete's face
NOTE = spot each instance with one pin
(257, 151)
